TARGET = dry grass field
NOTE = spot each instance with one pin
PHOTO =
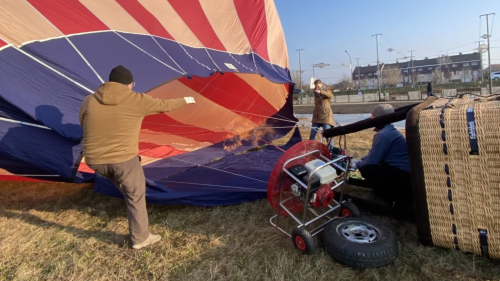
(52, 231)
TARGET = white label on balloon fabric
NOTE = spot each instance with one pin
(230, 66)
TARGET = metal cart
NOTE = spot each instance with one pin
(303, 238)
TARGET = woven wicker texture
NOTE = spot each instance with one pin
(463, 190)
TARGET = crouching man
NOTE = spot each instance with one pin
(386, 168)
(111, 119)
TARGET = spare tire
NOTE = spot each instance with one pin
(360, 242)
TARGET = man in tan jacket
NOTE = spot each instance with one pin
(111, 119)
(322, 114)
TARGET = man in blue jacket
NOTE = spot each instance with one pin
(386, 167)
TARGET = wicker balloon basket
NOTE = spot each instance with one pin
(454, 149)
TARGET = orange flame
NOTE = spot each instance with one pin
(254, 136)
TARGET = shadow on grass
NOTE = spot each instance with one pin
(19, 198)
(108, 237)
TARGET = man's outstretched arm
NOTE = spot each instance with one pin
(151, 105)
(377, 153)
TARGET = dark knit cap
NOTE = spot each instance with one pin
(121, 75)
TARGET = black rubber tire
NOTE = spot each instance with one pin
(351, 208)
(307, 244)
(378, 253)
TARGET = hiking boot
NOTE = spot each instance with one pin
(151, 239)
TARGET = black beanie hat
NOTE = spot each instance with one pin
(121, 75)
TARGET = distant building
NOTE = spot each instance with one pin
(459, 68)
(494, 68)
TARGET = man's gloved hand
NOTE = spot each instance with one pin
(189, 100)
(354, 163)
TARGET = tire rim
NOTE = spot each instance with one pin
(358, 232)
(301, 244)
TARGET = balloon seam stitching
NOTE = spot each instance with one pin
(193, 58)
(51, 68)
(212, 60)
(168, 54)
(134, 33)
(147, 53)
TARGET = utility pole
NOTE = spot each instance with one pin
(489, 52)
(378, 70)
(319, 65)
(412, 75)
(359, 77)
(300, 75)
(350, 65)
(480, 59)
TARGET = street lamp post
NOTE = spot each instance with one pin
(300, 75)
(489, 51)
(359, 77)
(319, 65)
(350, 66)
(378, 65)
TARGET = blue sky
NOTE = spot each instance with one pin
(326, 28)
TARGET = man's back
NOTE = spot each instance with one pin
(111, 119)
(397, 154)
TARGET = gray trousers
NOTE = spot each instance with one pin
(129, 178)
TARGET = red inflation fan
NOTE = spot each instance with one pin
(301, 188)
(276, 178)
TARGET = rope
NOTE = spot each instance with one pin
(231, 94)
(168, 55)
(214, 185)
(70, 42)
(153, 57)
(270, 143)
(217, 128)
(268, 117)
(218, 170)
(24, 123)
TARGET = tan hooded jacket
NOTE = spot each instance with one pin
(111, 119)
(322, 108)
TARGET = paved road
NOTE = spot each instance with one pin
(350, 108)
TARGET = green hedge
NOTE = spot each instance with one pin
(473, 86)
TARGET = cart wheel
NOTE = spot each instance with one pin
(360, 243)
(304, 241)
(348, 209)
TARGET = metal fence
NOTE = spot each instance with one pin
(408, 96)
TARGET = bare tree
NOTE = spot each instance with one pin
(447, 75)
(437, 76)
(466, 74)
(295, 77)
(391, 76)
(415, 77)
(345, 81)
